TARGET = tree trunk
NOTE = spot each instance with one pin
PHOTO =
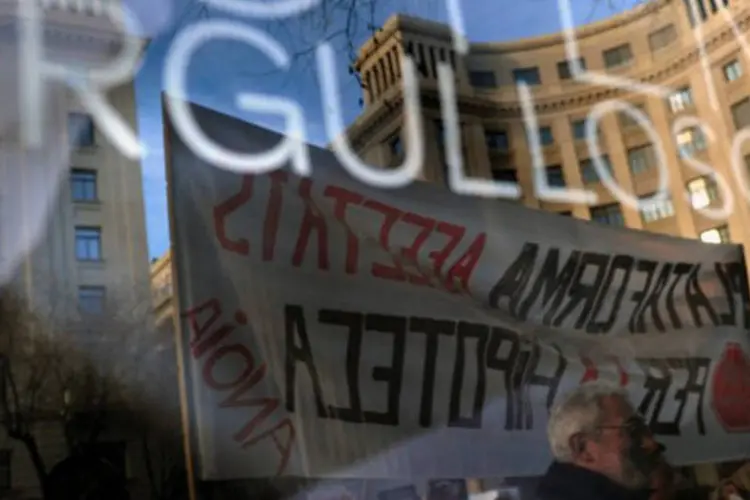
(36, 459)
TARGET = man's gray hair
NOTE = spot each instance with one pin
(578, 411)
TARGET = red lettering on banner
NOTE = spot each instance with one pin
(591, 373)
(312, 221)
(343, 198)
(439, 257)
(731, 389)
(460, 273)
(217, 355)
(391, 216)
(192, 315)
(411, 254)
(273, 214)
(240, 384)
(284, 451)
(224, 209)
(314, 224)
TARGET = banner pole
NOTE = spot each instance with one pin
(182, 346)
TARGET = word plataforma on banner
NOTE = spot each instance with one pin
(336, 330)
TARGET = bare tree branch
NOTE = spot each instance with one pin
(81, 373)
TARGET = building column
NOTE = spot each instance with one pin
(620, 167)
(478, 161)
(522, 158)
(571, 165)
(433, 153)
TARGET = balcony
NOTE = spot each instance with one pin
(162, 294)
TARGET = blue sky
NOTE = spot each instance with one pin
(222, 69)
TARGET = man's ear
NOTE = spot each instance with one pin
(579, 445)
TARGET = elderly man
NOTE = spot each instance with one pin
(602, 448)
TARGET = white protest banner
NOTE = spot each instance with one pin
(336, 330)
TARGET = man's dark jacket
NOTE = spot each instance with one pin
(568, 482)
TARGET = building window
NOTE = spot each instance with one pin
(663, 37)
(579, 129)
(545, 136)
(530, 76)
(681, 100)
(690, 141)
(497, 140)
(627, 121)
(716, 235)
(608, 214)
(395, 146)
(505, 175)
(699, 8)
(588, 171)
(733, 70)
(83, 185)
(91, 299)
(5, 470)
(641, 159)
(88, 243)
(483, 79)
(555, 176)
(80, 130)
(703, 191)
(564, 71)
(621, 55)
(655, 209)
(741, 113)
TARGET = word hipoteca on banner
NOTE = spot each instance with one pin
(335, 330)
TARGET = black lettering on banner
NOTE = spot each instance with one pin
(622, 263)
(550, 283)
(481, 333)
(736, 270)
(513, 281)
(499, 338)
(697, 300)
(681, 269)
(651, 301)
(356, 324)
(432, 329)
(728, 318)
(658, 381)
(393, 375)
(523, 378)
(635, 324)
(740, 276)
(294, 323)
(353, 324)
(580, 292)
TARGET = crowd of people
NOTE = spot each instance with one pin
(604, 450)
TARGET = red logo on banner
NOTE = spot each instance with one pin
(731, 389)
(592, 372)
